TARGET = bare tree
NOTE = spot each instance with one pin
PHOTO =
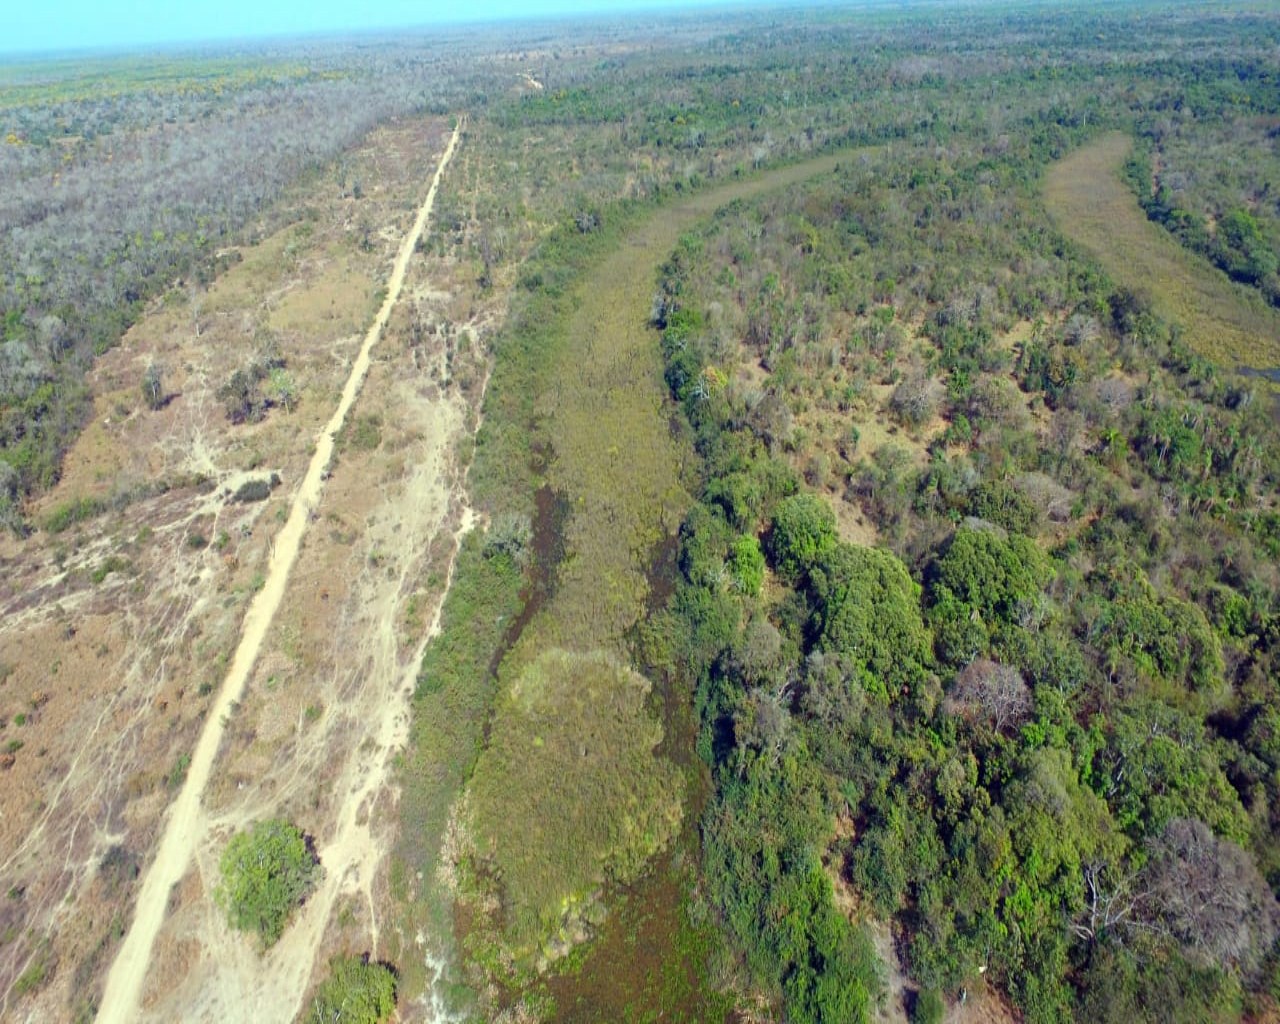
(1116, 904)
(1210, 895)
(991, 691)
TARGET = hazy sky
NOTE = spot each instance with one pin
(71, 24)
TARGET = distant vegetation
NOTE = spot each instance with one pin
(1208, 167)
(100, 211)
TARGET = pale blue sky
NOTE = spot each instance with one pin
(30, 25)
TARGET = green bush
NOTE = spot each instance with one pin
(991, 574)
(746, 562)
(929, 1008)
(999, 502)
(356, 992)
(266, 873)
(252, 490)
(76, 511)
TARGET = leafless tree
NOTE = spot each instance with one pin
(1200, 890)
(1210, 895)
(1116, 904)
(993, 692)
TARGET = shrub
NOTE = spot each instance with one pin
(999, 502)
(266, 872)
(747, 565)
(929, 1008)
(76, 511)
(994, 575)
(869, 609)
(915, 400)
(253, 490)
(241, 396)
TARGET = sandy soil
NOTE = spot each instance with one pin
(272, 987)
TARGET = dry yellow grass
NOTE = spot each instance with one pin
(1091, 205)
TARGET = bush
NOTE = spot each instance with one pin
(356, 992)
(929, 1008)
(253, 490)
(915, 400)
(869, 610)
(72, 512)
(747, 565)
(266, 872)
(999, 502)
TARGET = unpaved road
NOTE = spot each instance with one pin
(187, 822)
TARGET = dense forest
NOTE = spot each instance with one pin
(1037, 708)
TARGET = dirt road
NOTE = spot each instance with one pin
(187, 822)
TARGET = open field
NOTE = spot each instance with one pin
(135, 585)
(1092, 206)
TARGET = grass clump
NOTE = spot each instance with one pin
(266, 873)
(363, 434)
(72, 512)
(570, 793)
(356, 992)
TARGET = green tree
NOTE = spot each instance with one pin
(356, 992)
(993, 575)
(869, 609)
(804, 530)
(266, 873)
